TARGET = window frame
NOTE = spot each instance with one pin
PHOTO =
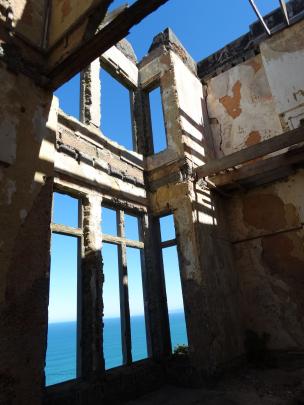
(163, 245)
(148, 114)
(132, 109)
(67, 230)
(122, 244)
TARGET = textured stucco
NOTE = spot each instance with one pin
(25, 200)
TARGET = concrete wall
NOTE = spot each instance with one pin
(259, 98)
(241, 258)
(28, 125)
(266, 227)
(26, 17)
(209, 280)
(283, 58)
(65, 13)
(248, 103)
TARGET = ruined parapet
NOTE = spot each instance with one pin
(169, 67)
(248, 45)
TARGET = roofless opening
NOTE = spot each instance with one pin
(69, 96)
(158, 129)
(116, 118)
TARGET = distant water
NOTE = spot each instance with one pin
(61, 350)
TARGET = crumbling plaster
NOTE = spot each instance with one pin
(283, 58)
(235, 99)
(247, 104)
(266, 227)
(26, 17)
(241, 258)
(25, 199)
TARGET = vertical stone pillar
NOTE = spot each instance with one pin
(126, 342)
(157, 322)
(28, 121)
(91, 337)
(90, 95)
(209, 281)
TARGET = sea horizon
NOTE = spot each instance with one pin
(61, 349)
(173, 311)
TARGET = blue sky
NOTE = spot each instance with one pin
(203, 27)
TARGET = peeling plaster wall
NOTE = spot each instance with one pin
(266, 226)
(219, 310)
(283, 58)
(241, 107)
(248, 103)
(25, 215)
(259, 98)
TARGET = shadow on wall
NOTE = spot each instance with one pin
(212, 295)
(25, 216)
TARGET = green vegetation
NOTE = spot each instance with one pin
(181, 350)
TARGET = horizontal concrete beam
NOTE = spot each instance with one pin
(108, 36)
(264, 148)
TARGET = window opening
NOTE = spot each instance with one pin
(111, 301)
(167, 229)
(109, 222)
(136, 302)
(125, 261)
(131, 227)
(65, 210)
(158, 127)
(61, 355)
(175, 303)
(116, 119)
(69, 96)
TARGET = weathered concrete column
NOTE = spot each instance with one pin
(91, 338)
(90, 94)
(28, 120)
(209, 283)
(157, 320)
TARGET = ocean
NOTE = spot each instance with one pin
(61, 350)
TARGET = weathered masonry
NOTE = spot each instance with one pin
(232, 176)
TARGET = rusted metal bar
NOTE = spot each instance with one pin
(260, 17)
(284, 11)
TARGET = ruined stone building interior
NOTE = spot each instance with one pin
(230, 178)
